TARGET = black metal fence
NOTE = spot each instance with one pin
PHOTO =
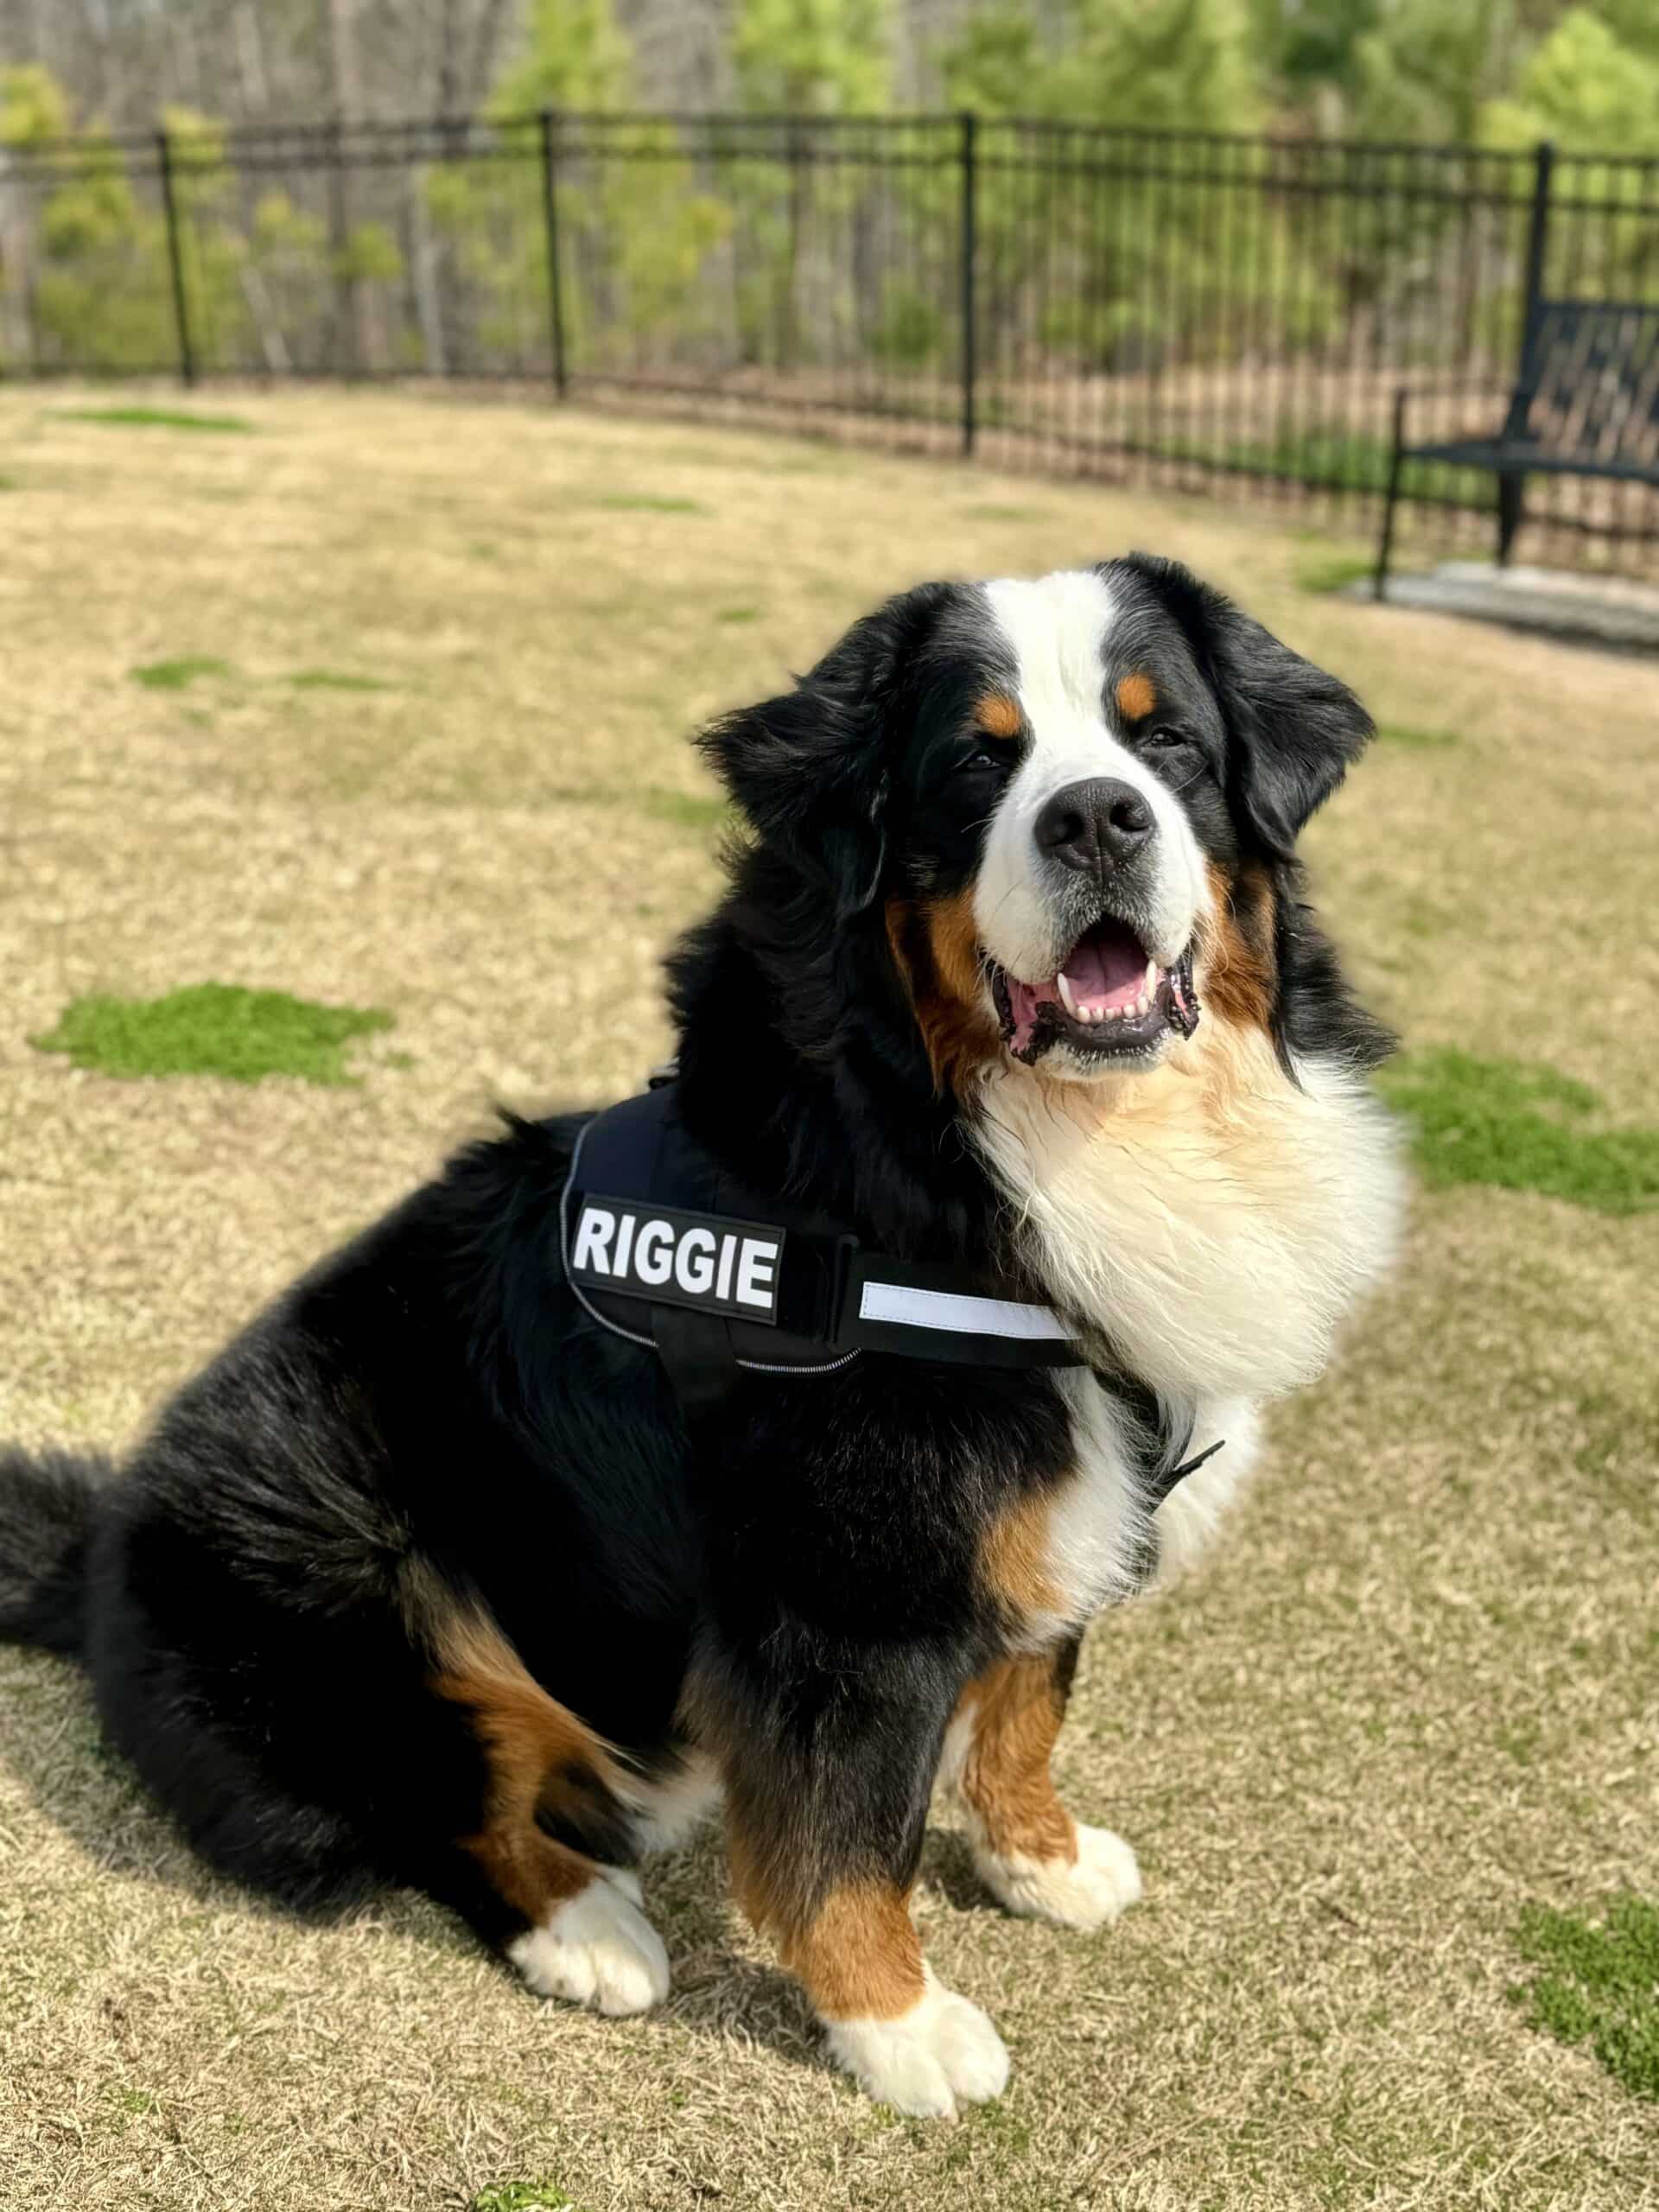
(1184, 310)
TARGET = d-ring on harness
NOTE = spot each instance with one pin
(663, 1245)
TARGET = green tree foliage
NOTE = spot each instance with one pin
(636, 232)
(85, 279)
(813, 57)
(1154, 64)
(574, 56)
(795, 302)
(89, 282)
(1590, 85)
(1423, 67)
(1119, 283)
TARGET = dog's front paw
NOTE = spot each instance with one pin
(943, 2051)
(1103, 1881)
(597, 1949)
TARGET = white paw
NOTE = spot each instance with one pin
(942, 2050)
(597, 1949)
(1105, 1881)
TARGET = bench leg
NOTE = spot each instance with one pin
(1511, 513)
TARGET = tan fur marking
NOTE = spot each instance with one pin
(1014, 1559)
(854, 1947)
(935, 946)
(1237, 979)
(1016, 1712)
(1136, 696)
(538, 1754)
(997, 715)
(858, 1957)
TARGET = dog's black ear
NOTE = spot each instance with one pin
(1293, 729)
(809, 769)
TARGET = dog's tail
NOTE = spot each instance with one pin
(47, 1504)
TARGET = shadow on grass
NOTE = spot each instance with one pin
(87, 1791)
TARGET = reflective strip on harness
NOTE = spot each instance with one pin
(651, 1223)
(662, 1245)
(962, 1312)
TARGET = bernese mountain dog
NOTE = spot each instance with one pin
(430, 1578)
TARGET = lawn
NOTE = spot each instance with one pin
(371, 717)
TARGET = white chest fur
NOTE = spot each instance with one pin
(1213, 1222)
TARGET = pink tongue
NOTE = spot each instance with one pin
(1106, 968)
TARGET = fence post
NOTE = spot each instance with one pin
(554, 273)
(176, 259)
(969, 125)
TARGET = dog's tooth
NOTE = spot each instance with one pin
(1068, 998)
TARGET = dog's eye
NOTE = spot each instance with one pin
(1179, 761)
(984, 757)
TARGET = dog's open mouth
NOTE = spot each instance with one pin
(1109, 999)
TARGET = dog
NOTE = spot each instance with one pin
(439, 1576)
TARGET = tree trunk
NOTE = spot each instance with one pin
(353, 327)
(250, 63)
(16, 229)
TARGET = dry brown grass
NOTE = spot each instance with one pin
(1417, 1690)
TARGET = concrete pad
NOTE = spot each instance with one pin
(1611, 611)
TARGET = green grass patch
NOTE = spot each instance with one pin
(522, 2196)
(212, 1029)
(1332, 569)
(995, 511)
(1333, 459)
(157, 418)
(686, 810)
(179, 674)
(731, 614)
(1599, 1986)
(651, 503)
(1519, 1126)
(1416, 740)
(334, 679)
(8, 483)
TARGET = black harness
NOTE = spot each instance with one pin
(663, 1245)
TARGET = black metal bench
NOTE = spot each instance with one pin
(1586, 402)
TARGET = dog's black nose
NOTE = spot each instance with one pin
(1095, 826)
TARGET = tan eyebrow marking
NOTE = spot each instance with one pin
(1136, 696)
(999, 716)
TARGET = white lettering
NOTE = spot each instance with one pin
(653, 1252)
(625, 1231)
(755, 1267)
(594, 1234)
(728, 1254)
(693, 1263)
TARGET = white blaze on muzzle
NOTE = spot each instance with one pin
(1056, 630)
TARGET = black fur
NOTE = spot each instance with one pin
(428, 1419)
(47, 1509)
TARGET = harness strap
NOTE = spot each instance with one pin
(661, 1244)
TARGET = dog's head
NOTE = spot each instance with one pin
(1070, 804)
